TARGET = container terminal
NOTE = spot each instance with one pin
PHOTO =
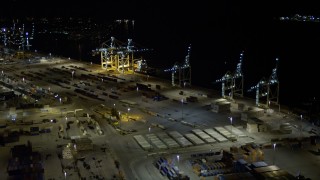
(67, 119)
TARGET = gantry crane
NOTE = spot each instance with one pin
(183, 70)
(268, 88)
(116, 55)
(233, 82)
(175, 68)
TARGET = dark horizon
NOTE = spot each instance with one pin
(143, 9)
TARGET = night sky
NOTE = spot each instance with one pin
(154, 9)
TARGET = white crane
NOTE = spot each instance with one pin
(268, 88)
(233, 82)
(184, 70)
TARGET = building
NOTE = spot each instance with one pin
(25, 164)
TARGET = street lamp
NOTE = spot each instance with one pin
(65, 174)
(181, 108)
(274, 150)
(60, 100)
(119, 118)
(34, 104)
(231, 123)
(72, 74)
(178, 158)
(301, 125)
(128, 112)
(149, 129)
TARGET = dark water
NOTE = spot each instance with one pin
(215, 50)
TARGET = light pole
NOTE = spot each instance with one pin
(181, 108)
(149, 129)
(279, 107)
(65, 174)
(301, 126)
(231, 123)
(72, 74)
(128, 113)
(178, 158)
(274, 152)
(60, 100)
(119, 118)
(34, 104)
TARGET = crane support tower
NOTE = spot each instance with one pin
(268, 88)
(233, 82)
(119, 56)
(181, 73)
